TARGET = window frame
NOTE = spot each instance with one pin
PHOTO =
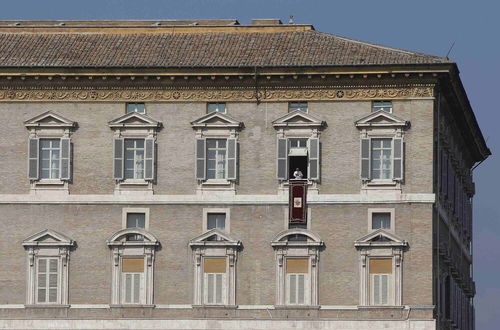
(127, 210)
(299, 107)
(376, 107)
(47, 280)
(391, 211)
(216, 149)
(130, 103)
(135, 150)
(390, 283)
(207, 211)
(217, 103)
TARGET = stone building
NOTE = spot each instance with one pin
(146, 170)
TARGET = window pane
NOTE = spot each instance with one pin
(136, 220)
(381, 158)
(381, 220)
(302, 106)
(382, 105)
(41, 295)
(136, 107)
(216, 220)
(134, 159)
(216, 107)
(216, 159)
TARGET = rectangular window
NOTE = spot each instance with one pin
(382, 105)
(381, 220)
(134, 158)
(136, 220)
(133, 279)
(381, 281)
(214, 270)
(297, 277)
(298, 159)
(216, 107)
(47, 280)
(50, 152)
(216, 158)
(381, 158)
(216, 220)
(136, 107)
(302, 106)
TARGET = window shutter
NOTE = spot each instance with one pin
(300, 288)
(149, 173)
(33, 162)
(282, 159)
(137, 287)
(200, 159)
(65, 159)
(365, 159)
(376, 289)
(231, 159)
(385, 288)
(218, 288)
(293, 288)
(314, 159)
(397, 166)
(128, 288)
(118, 159)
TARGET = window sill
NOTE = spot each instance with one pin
(216, 306)
(216, 182)
(38, 306)
(381, 306)
(50, 182)
(132, 306)
(314, 307)
(134, 182)
(381, 183)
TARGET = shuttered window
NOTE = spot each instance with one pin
(297, 281)
(134, 159)
(382, 159)
(132, 280)
(214, 270)
(47, 280)
(381, 281)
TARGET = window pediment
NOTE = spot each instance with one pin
(120, 238)
(48, 237)
(214, 237)
(135, 120)
(382, 118)
(216, 120)
(49, 119)
(282, 238)
(380, 238)
(298, 118)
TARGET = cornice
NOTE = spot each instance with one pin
(208, 95)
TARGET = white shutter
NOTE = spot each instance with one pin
(118, 158)
(231, 159)
(200, 159)
(365, 171)
(33, 161)
(282, 159)
(65, 159)
(314, 153)
(397, 159)
(292, 289)
(301, 290)
(149, 172)
(41, 280)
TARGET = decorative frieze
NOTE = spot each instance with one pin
(206, 95)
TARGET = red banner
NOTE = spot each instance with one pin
(298, 201)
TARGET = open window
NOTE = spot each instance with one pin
(381, 262)
(297, 256)
(48, 258)
(215, 256)
(133, 266)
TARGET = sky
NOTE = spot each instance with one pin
(428, 26)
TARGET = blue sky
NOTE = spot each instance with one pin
(426, 26)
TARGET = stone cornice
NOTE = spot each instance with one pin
(207, 95)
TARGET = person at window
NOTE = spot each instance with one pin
(298, 174)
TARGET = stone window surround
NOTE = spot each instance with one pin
(226, 128)
(392, 212)
(395, 128)
(127, 210)
(226, 211)
(121, 248)
(59, 247)
(59, 127)
(146, 128)
(393, 248)
(309, 249)
(224, 247)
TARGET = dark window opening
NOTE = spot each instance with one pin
(297, 162)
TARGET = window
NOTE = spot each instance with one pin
(301, 106)
(297, 255)
(134, 159)
(381, 218)
(216, 107)
(136, 220)
(50, 150)
(214, 270)
(136, 107)
(216, 220)
(48, 258)
(47, 283)
(216, 158)
(382, 105)
(381, 159)
(297, 277)
(298, 159)
(381, 281)
(133, 279)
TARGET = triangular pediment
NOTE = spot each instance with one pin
(48, 237)
(134, 119)
(214, 237)
(381, 118)
(49, 119)
(298, 118)
(216, 119)
(380, 237)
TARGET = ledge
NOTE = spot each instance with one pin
(41, 306)
(302, 307)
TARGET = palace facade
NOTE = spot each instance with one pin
(146, 171)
